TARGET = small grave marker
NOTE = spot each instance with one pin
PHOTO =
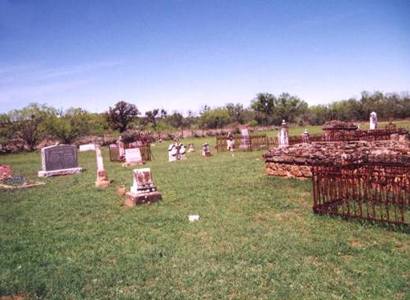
(143, 189)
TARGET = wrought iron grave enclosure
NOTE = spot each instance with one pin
(146, 153)
(253, 142)
(376, 191)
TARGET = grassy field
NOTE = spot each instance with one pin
(257, 237)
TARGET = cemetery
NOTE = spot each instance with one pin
(205, 150)
(174, 204)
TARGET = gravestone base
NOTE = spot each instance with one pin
(102, 180)
(131, 164)
(59, 172)
(102, 183)
(133, 199)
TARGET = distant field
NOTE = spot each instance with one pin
(257, 237)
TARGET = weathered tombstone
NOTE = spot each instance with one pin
(230, 142)
(114, 152)
(283, 137)
(373, 121)
(5, 172)
(87, 147)
(205, 150)
(143, 189)
(305, 136)
(133, 157)
(245, 139)
(59, 160)
(176, 151)
(191, 148)
(102, 177)
(121, 148)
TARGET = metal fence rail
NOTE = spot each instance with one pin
(146, 153)
(250, 143)
(375, 192)
(361, 135)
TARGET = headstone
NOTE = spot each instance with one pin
(373, 121)
(191, 148)
(283, 137)
(87, 147)
(133, 157)
(114, 152)
(102, 177)
(59, 160)
(176, 151)
(230, 142)
(306, 136)
(5, 172)
(205, 150)
(121, 149)
(143, 189)
(245, 140)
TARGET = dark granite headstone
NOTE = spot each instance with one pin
(59, 160)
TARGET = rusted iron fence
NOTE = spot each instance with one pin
(146, 153)
(246, 143)
(361, 135)
(297, 139)
(376, 191)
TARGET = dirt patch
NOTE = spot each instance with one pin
(14, 297)
(357, 244)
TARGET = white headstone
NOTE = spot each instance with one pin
(305, 136)
(142, 181)
(100, 162)
(373, 121)
(283, 135)
(245, 140)
(191, 148)
(121, 148)
(230, 142)
(133, 156)
(205, 150)
(102, 177)
(176, 151)
(87, 147)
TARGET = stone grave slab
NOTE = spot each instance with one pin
(87, 147)
(133, 157)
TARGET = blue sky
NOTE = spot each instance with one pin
(181, 55)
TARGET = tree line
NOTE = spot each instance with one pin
(36, 122)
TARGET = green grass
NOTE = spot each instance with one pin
(257, 237)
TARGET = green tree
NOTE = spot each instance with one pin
(29, 123)
(214, 118)
(121, 115)
(288, 108)
(70, 125)
(236, 112)
(264, 106)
